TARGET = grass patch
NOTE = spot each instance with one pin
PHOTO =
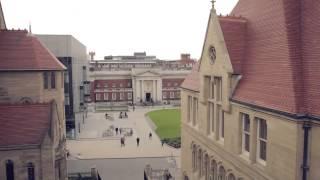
(167, 122)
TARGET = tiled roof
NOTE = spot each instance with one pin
(192, 81)
(20, 51)
(281, 66)
(234, 31)
(24, 124)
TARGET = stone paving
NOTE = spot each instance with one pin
(90, 143)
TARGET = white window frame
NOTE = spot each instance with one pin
(189, 109)
(259, 160)
(164, 95)
(220, 115)
(211, 117)
(244, 133)
(171, 94)
(195, 111)
(105, 96)
(98, 97)
(121, 95)
(129, 95)
(114, 96)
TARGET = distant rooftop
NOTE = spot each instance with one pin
(136, 56)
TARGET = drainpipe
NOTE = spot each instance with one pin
(305, 167)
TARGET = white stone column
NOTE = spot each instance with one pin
(159, 89)
(134, 90)
(154, 95)
(142, 91)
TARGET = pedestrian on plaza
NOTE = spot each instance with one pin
(133, 108)
(116, 131)
(122, 141)
(131, 132)
(150, 135)
(125, 114)
(138, 141)
(120, 130)
(162, 142)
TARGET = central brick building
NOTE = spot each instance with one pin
(138, 79)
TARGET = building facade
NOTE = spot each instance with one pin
(73, 54)
(251, 109)
(32, 131)
(138, 79)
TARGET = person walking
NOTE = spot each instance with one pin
(162, 142)
(124, 141)
(121, 141)
(150, 135)
(120, 130)
(117, 131)
(138, 141)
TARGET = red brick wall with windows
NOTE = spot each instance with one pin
(112, 86)
(171, 83)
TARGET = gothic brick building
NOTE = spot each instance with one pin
(32, 121)
(251, 110)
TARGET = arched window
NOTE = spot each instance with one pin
(30, 167)
(186, 177)
(206, 166)
(9, 170)
(194, 157)
(213, 169)
(200, 162)
(222, 173)
(231, 177)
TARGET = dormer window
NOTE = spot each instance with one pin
(49, 80)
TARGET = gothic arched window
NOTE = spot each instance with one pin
(231, 177)
(206, 166)
(222, 173)
(200, 162)
(194, 157)
(9, 170)
(213, 168)
(31, 175)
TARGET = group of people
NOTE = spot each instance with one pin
(138, 139)
(123, 115)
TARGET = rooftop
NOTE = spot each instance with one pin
(24, 124)
(22, 51)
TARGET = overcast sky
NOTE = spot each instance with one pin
(164, 28)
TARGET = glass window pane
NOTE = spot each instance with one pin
(263, 150)
(263, 129)
(247, 142)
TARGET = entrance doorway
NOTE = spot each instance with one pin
(148, 97)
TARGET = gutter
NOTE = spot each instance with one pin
(305, 167)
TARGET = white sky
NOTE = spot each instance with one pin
(164, 28)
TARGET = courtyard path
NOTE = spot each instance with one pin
(91, 144)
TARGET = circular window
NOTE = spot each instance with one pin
(212, 54)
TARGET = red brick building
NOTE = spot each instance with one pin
(138, 79)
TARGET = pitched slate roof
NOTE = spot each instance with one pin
(277, 73)
(20, 51)
(234, 33)
(192, 81)
(23, 124)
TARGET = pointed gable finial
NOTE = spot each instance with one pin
(30, 31)
(212, 3)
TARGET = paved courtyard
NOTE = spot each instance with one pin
(91, 144)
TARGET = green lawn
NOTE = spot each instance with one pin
(167, 122)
